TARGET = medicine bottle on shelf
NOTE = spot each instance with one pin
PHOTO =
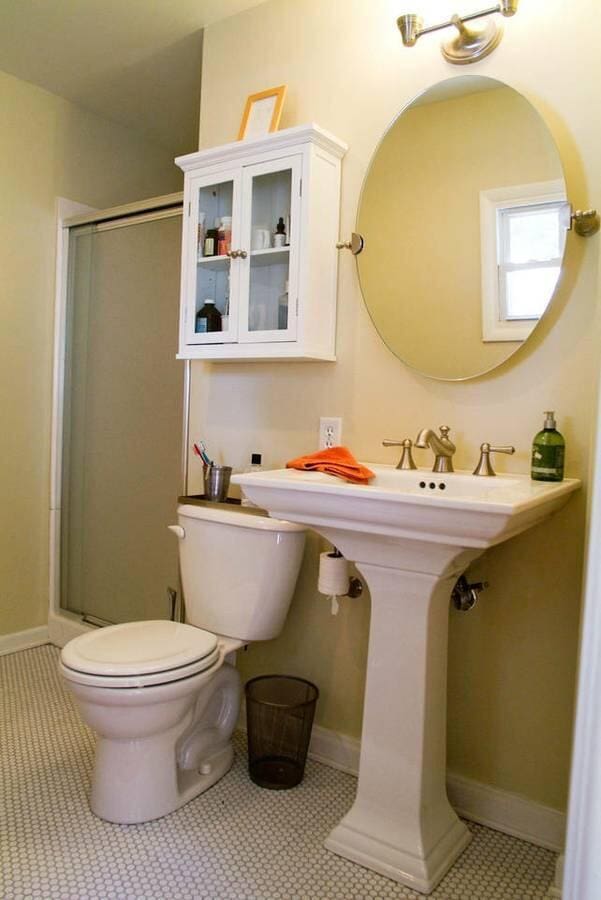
(279, 238)
(208, 317)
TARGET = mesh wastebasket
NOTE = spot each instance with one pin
(279, 717)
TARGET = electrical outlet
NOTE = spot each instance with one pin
(330, 432)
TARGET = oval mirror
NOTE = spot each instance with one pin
(464, 216)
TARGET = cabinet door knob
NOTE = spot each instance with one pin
(234, 254)
(242, 253)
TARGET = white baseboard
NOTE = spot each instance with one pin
(23, 640)
(64, 626)
(336, 750)
(510, 813)
(554, 892)
(498, 809)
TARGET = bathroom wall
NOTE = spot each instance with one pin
(49, 148)
(513, 659)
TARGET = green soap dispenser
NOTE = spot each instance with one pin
(548, 452)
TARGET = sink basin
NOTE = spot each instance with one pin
(411, 535)
(456, 508)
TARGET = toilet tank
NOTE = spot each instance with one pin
(238, 570)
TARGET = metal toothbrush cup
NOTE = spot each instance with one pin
(217, 482)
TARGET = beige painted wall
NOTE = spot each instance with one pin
(513, 659)
(49, 148)
(420, 211)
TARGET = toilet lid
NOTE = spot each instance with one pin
(140, 648)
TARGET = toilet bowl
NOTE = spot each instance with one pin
(159, 695)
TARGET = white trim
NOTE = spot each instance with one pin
(335, 750)
(254, 352)
(507, 812)
(582, 879)
(64, 626)
(23, 640)
(277, 140)
(554, 892)
(116, 212)
(64, 210)
(490, 806)
(154, 215)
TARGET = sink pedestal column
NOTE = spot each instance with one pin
(401, 824)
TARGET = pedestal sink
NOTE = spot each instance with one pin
(411, 535)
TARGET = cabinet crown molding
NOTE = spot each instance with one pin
(277, 140)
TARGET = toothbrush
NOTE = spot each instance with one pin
(200, 454)
(205, 454)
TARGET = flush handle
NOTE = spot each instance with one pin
(178, 531)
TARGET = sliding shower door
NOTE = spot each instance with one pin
(123, 413)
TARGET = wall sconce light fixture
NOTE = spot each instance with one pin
(469, 45)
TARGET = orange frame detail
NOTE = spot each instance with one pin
(279, 93)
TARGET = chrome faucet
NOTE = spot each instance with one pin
(442, 447)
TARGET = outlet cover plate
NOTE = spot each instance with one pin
(330, 432)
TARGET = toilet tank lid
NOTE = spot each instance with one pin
(237, 518)
(138, 648)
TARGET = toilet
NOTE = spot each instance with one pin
(160, 695)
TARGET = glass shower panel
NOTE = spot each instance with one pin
(122, 431)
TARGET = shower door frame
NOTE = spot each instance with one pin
(63, 624)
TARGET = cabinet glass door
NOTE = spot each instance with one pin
(270, 230)
(211, 312)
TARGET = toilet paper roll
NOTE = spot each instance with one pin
(333, 575)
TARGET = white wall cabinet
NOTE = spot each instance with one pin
(276, 298)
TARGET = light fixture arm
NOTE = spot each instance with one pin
(468, 46)
(458, 21)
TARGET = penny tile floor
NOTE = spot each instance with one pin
(236, 842)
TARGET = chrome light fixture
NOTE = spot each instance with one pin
(469, 45)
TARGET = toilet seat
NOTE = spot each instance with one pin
(139, 654)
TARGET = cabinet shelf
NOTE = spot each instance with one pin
(269, 257)
(215, 263)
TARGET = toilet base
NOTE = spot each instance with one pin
(145, 798)
(158, 747)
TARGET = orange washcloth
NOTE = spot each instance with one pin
(337, 461)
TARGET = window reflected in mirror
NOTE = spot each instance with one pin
(523, 233)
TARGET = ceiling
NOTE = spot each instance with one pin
(136, 62)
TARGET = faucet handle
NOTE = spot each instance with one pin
(484, 466)
(406, 460)
(444, 435)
